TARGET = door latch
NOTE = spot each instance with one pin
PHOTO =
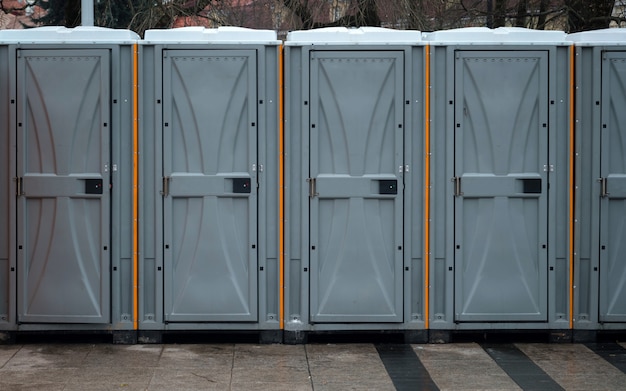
(312, 190)
(603, 187)
(166, 186)
(19, 186)
(457, 186)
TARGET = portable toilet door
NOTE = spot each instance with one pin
(350, 99)
(501, 199)
(356, 210)
(601, 127)
(214, 90)
(613, 188)
(64, 172)
(63, 149)
(209, 149)
(502, 141)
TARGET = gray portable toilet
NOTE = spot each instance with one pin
(354, 181)
(600, 272)
(501, 233)
(210, 181)
(66, 109)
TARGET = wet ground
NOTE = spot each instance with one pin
(314, 366)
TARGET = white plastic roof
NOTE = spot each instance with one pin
(612, 36)
(361, 35)
(500, 35)
(60, 34)
(197, 34)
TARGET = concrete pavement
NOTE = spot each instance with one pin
(323, 366)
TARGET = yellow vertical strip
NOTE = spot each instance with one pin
(572, 97)
(427, 188)
(135, 187)
(281, 192)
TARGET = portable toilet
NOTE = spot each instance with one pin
(66, 109)
(600, 271)
(501, 180)
(354, 140)
(210, 104)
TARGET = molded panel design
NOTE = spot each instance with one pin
(209, 149)
(63, 142)
(501, 214)
(356, 229)
(613, 206)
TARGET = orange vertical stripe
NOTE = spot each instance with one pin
(427, 189)
(281, 192)
(135, 188)
(571, 183)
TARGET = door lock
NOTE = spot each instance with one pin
(166, 186)
(603, 187)
(457, 186)
(19, 186)
(312, 190)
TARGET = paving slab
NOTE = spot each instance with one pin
(34, 387)
(52, 355)
(575, 367)
(273, 364)
(124, 356)
(341, 386)
(7, 352)
(273, 386)
(519, 367)
(197, 378)
(463, 366)
(29, 376)
(191, 356)
(358, 365)
(93, 386)
(113, 375)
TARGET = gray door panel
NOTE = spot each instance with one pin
(210, 211)
(613, 206)
(64, 211)
(501, 213)
(357, 205)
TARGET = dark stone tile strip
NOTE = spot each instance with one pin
(612, 352)
(528, 375)
(404, 368)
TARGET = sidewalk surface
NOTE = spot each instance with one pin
(323, 366)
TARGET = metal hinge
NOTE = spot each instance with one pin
(19, 186)
(166, 186)
(457, 186)
(548, 167)
(603, 187)
(312, 191)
